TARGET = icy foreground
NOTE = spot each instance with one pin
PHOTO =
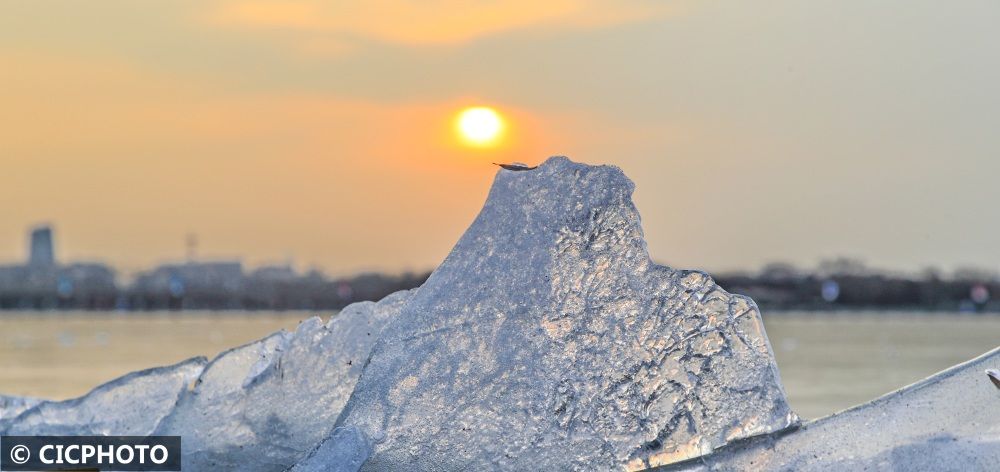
(265, 405)
(947, 422)
(258, 407)
(131, 405)
(548, 339)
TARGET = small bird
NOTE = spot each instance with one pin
(994, 376)
(517, 166)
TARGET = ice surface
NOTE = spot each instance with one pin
(344, 451)
(265, 405)
(131, 405)
(11, 406)
(547, 339)
(947, 422)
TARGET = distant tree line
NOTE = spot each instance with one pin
(311, 291)
(191, 286)
(849, 284)
(836, 284)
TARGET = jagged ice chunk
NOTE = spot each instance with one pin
(131, 405)
(548, 339)
(265, 405)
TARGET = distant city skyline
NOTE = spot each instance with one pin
(39, 251)
(42, 282)
(42, 240)
(792, 131)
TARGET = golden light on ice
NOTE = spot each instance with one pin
(480, 126)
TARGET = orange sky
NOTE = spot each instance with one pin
(323, 133)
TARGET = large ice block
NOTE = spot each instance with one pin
(130, 405)
(265, 405)
(548, 340)
(947, 422)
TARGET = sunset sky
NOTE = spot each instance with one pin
(325, 131)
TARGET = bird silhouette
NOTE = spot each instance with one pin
(516, 166)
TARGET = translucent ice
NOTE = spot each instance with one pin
(549, 340)
(265, 405)
(947, 422)
(131, 405)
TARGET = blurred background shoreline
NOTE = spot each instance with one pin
(42, 282)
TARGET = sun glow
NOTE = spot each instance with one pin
(480, 126)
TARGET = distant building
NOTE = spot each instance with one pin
(203, 285)
(222, 276)
(42, 253)
(274, 273)
(43, 283)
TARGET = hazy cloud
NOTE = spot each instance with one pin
(321, 27)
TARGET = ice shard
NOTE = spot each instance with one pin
(266, 405)
(947, 422)
(548, 340)
(130, 405)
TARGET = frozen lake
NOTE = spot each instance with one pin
(828, 361)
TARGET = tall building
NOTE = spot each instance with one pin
(42, 253)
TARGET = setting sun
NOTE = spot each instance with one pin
(480, 126)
